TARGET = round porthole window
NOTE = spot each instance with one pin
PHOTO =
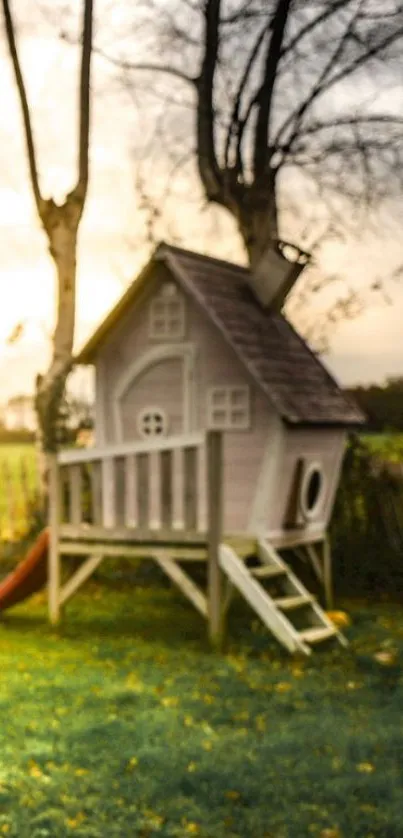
(152, 422)
(312, 490)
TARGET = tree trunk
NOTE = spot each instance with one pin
(61, 225)
(273, 276)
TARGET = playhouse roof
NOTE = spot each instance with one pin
(276, 357)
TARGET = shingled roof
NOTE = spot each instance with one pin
(275, 356)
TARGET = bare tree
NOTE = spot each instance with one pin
(61, 224)
(289, 98)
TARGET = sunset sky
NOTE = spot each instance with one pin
(112, 242)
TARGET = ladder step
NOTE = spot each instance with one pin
(288, 603)
(267, 571)
(317, 634)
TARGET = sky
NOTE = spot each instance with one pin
(113, 236)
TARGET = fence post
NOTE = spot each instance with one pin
(53, 553)
(214, 535)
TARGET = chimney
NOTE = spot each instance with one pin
(275, 275)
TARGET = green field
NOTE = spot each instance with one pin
(124, 724)
(18, 482)
(389, 446)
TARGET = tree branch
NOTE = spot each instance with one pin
(309, 27)
(234, 124)
(148, 67)
(325, 84)
(265, 96)
(207, 160)
(84, 102)
(29, 137)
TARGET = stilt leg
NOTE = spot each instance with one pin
(214, 499)
(327, 573)
(54, 555)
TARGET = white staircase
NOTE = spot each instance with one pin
(288, 610)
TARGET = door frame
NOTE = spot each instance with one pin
(156, 355)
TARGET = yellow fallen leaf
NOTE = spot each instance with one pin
(170, 701)
(386, 658)
(365, 767)
(192, 767)
(133, 763)
(283, 687)
(193, 828)
(34, 769)
(77, 821)
(339, 618)
(232, 795)
(207, 745)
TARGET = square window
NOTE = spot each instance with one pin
(219, 417)
(228, 408)
(159, 325)
(239, 397)
(218, 397)
(167, 316)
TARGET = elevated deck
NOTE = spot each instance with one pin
(164, 499)
(134, 499)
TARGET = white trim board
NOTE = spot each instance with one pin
(155, 355)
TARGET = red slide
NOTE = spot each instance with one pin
(29, 576)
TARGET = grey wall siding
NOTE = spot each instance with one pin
(325, 446)
(215, 364)
(244, 451)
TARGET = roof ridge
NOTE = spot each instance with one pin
(182, 251)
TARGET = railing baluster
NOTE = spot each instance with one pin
(75, 485)
(108, 492)
(96, 493)
(190, 488)
(143, 489)
(131, 508)
(154, 465)
(166, 489)
(120, 485)
(178, 490)
(201, 482)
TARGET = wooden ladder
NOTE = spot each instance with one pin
(287, 608)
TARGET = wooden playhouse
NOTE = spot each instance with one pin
(218, 435)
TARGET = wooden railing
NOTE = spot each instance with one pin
(154, 487)
(166, 493)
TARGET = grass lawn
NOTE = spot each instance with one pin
(123, 723)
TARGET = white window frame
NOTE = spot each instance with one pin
(167, 294)
(309, 513)
(226, 391)
(143, 413)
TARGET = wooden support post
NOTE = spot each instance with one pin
(327, 573)
(214, 535)
(53, 553)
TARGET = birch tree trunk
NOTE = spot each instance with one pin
(61, 224)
